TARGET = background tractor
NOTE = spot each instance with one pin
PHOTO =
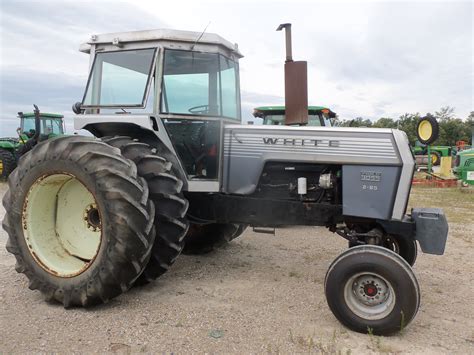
(464, 166)
(171, 167)
(318, 116)
(436, 152)
(11, 149)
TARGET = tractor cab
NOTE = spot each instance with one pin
(318, 116)
(51, 125)
(182, 85)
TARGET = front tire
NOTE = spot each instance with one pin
(7, 163)
(435, 158)
(405, 247)
(371, 289)
(79, 221)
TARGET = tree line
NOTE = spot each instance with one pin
(451, 128)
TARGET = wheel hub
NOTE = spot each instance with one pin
(92, 218)
(369, 296)
(61, 224)
(370, 290)
(392, 244)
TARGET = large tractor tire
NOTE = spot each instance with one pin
(170, 205)
(204, 238)
(79, 220)
(7, 163)
(427, 130)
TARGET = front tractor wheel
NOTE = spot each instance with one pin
(435, 158)
(79, 221)
(371, 289)
(7, 163)
(405, 247)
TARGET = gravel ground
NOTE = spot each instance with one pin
(261, 293)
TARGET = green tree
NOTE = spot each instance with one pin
(451, 131)
(445, 113)
(357, 122)
(385, 122)
(451, 128)
(407, 123)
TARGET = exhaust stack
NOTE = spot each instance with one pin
(296, 84)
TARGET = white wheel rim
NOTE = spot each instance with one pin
(61, 224)
(367, 305)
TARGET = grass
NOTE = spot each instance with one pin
(457, 205)
(309, 343)
(294, 274)
(376, 343)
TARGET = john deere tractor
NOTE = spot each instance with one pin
(318, 116)
(464, 166)
(50, 125)
(170, 167)
(436, 152)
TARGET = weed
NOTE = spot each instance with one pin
(376, 342)
(403, 322)
(309, 344)
(294, 274)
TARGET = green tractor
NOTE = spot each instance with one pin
(436, 152)
(318, 116)
(464, 166)
(50, 125)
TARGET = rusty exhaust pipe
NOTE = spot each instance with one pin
(287, 27)
(296, 84)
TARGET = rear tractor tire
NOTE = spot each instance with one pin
(79, 221)
(7, 163)
(372, 290)
(170, 205)
(204, 238)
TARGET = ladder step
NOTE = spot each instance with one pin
(265, 230)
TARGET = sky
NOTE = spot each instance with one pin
(365, 59)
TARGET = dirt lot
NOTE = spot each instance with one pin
(261, 293)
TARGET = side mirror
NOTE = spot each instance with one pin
(76, 108)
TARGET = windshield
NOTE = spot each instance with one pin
(200, 84)
(120, 79)
(313, 120)
(48, 126)
(274, 120)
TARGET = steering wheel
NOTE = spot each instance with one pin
(200, 110)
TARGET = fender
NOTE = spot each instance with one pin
(146, 128)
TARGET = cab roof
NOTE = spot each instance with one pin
(280, 110)
(43, 115)
(157, 35)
